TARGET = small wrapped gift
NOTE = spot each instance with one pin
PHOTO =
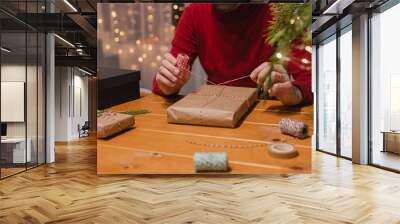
(213, 105)
(110, 123)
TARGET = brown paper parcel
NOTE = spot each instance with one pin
(213, 105)
(110, 123)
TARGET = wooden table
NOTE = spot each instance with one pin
(391, 141)
(156, 147)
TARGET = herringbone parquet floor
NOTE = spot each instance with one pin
(69, 191)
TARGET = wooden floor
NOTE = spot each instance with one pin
(387, 159)
(69, 191)
(5, 172)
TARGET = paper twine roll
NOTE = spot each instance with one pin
(210, 161)
(283, 151)
(182, 62)
(294, 128)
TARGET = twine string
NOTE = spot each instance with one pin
(221, 83)
(298, 63)
(183, 59)
(232, 80)
(182, 63)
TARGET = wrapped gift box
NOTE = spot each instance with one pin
(110, 123)
(213, 105)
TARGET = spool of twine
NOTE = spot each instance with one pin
(294, 128)
(211, 161)
(182, 62)
(283, 151)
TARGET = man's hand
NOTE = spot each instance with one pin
(169, 78)
(282, 87)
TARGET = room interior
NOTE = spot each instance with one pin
(22, 100)
(336, 46)
(31, 93)
(355, 157)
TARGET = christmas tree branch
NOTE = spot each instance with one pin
(289, 29)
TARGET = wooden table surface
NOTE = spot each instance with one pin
(156, 147)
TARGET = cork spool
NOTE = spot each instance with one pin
(282, 151)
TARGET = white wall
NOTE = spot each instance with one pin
(61, 103)
(80, 111)
(33, 127)
(12, 73)
(71, 93)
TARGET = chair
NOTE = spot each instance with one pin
(84, 130)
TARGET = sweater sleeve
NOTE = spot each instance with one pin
(301, 73)
(184, 41)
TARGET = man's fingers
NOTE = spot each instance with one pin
(167, 74)
(287, 93)
(265, 85)
(262, 74)
(255, 73)
(258, 74)
(273, 90)
(276, 77)
(186, 74)
(277, 89)
(183, 77)
(168, 65)
(164, 81)
(170, 58)
(280, 69)
(279, 77)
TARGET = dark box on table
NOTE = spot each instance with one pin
(116, 86)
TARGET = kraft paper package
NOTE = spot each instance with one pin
(213, 105)
(110, 123)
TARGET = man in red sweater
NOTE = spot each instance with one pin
(229, 41)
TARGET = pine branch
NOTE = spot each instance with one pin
(289, 29)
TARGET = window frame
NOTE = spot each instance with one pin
(339, 32)
(381, 9)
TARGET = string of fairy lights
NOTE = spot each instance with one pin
(142, 32)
